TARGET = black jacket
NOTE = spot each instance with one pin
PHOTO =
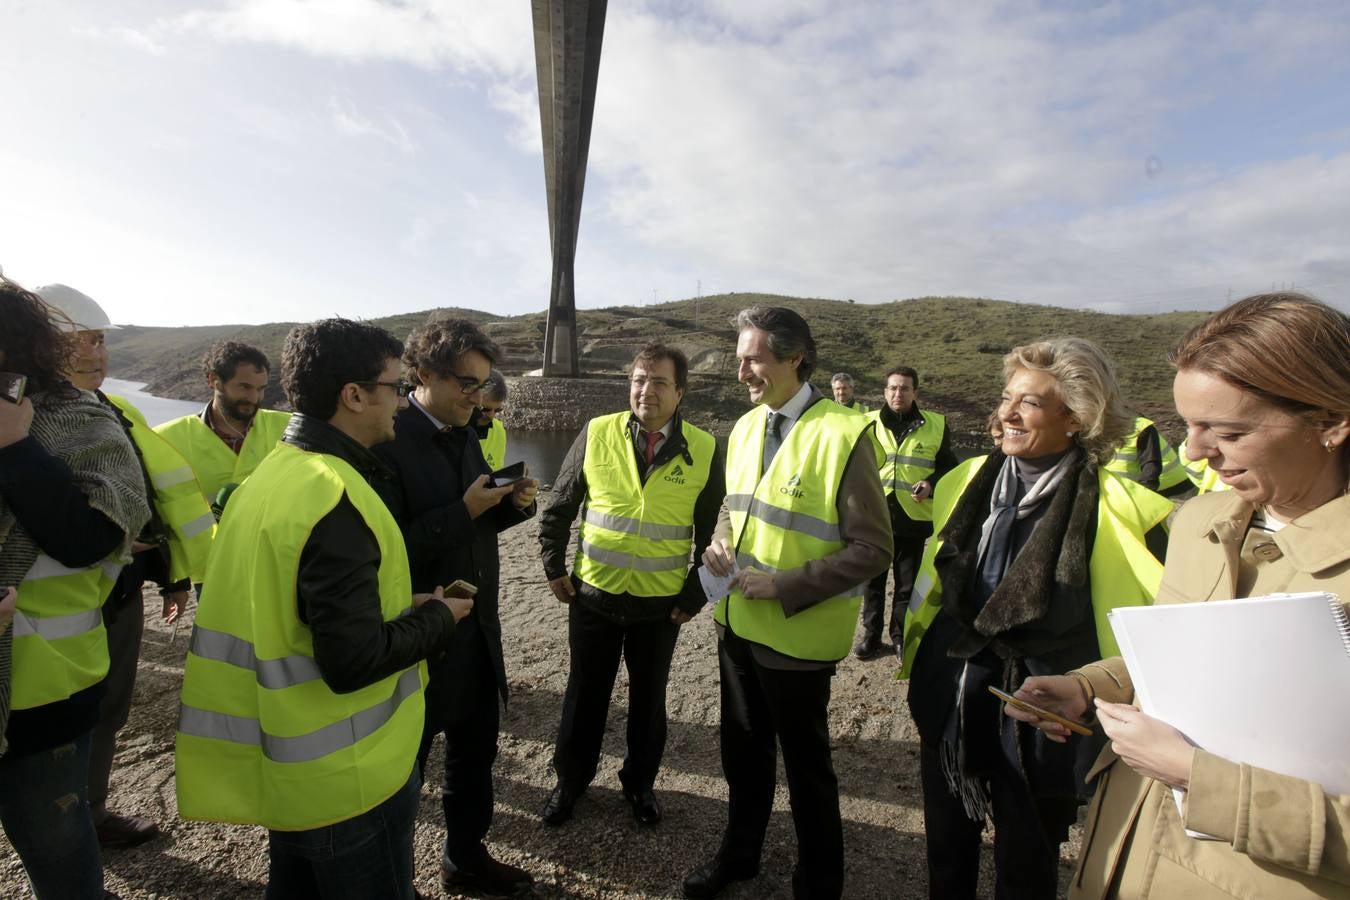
(569, 492)
(427, 474)
(337, 584)
(901, 425)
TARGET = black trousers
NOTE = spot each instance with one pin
(1025, 859)
(125, 628)
(596, 644)
(761, 705)
(904, 568)
(462, 704)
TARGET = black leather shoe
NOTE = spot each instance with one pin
(646, 808)
(711, 878)
(558, 809)
(866, 648)
(117, 831)
(492, 878)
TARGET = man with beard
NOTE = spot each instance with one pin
(226, 440)
(450, 514)
(171, 551)
(491, 431)
(918, 453)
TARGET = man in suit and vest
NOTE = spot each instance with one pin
(303, 687)
(804, 527)
(650, 485)
(487, 420)
(170, 551)
(226, 440)
(450, 515)
(841, 383)
(918, 453)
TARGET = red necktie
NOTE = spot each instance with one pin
(652, 438)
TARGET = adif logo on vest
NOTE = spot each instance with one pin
(676, 475)
(793, 487)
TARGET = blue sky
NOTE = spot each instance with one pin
(261, 160)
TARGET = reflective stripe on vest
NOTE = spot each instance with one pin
(212, 461)
(910, 461)
(494, 445)
(177, 497)
(1125, 462)
(635, 537)
(60, 645)
(789, 517)
(262, 738)
(1121, 570)
(1198, 471)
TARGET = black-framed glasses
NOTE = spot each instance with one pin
(469, 385)
(401, 387)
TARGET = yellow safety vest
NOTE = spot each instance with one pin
(788, 517)
(910, 461)
(635, 538)
(1121, 570)
(261, 738)
(178, 498)
(1125, 463)
(858, 405)
(60, 645)
(494, 445)
(214, 464)
(1198, 471)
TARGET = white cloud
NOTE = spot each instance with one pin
(349, 121)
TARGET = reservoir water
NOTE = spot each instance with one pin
(542, 451)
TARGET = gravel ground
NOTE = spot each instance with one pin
(601, 853)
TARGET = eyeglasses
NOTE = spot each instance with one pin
(469, 385)
(401, 387)
(641, 381)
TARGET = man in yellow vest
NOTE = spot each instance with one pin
(918, 453)
(1146, 456)
(487, 422)
(302, 692)
(179, 530)
(803, 529)
(841, 383)
(231, 435)
(450, 512)
(650, 484)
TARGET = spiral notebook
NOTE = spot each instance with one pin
(1263, 680)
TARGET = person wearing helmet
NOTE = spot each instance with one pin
(170, 551)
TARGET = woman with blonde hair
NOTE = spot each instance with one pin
(1034, 543)
(1264, 387)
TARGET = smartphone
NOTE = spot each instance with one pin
(12, 386)
(462, 589)
(508, 474)
(1040, 712)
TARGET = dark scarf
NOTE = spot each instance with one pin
(1040, 607)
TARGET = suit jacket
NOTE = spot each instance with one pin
(431, 470)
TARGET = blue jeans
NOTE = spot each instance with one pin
(44, 806)
(367, 857)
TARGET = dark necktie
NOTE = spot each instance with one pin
(773, 438)
(653, 438)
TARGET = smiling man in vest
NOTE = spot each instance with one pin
(918, 453)
(650, 484)
(231, 435)
(487, 422)
(170, 551)
(804, 527)
(302, 692)
(841, 385)
(451, 514)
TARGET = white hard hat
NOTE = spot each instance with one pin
(79, 308)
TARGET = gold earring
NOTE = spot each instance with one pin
(1331, 447)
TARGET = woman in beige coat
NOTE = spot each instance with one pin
(1264, 387)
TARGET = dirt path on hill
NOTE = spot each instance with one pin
(601, 853)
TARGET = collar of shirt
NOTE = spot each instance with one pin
(638, 431)
(440, 426)
(793, 409)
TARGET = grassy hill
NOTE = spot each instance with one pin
(956, 343)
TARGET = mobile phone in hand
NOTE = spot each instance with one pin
(508, 474)
(462, 589)
(1040, 712)
(12, 386)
